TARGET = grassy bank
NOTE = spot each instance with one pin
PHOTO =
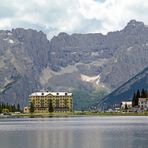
(77, 114)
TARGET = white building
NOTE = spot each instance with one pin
(143, 103)
(126, 103)
(26, 109)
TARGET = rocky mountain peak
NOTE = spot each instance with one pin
(22, 34)
(133, 24)
(63, 34)
(83, 62)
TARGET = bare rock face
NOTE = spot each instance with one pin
(35, 44)
(130, 58)
(23, 56)
(87, 63)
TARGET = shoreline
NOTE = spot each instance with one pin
(75, 114)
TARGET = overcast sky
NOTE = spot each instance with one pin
(71, 16)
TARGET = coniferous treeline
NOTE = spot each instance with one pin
(10, 107)
(139, 94)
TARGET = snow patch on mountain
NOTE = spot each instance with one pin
(92, 79)
(129, 49)
(11, 41)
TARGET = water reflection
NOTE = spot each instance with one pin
(67, 138)
(92, 132)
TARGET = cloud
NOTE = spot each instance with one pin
(81, 16)
(3, 11)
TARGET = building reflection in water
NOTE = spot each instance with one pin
(112, 132)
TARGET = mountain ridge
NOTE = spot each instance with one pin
(126, 91)
(92, 63)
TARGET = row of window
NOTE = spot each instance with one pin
(54, 105)
(43, 109)
(52, 101)
(47, 98)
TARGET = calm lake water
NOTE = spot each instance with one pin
(79, 132)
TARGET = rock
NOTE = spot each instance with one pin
(30, 62)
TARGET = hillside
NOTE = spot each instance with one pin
(126, 91)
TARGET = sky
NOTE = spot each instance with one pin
(71, 16)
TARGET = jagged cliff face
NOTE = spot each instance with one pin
(114, 58)
(131, 56)
(84, 62)
(23, 56)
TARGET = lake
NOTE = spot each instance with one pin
(75, 132)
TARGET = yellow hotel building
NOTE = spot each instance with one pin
(61, 101)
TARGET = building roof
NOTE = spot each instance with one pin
(46, 93)
(126, 102)
(143, 99)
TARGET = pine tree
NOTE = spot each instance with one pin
(50, 107)
(146, 93)
(143, 93)
(0, 108)
(31, 107)
(3, 105)
(133, 100)
(10, 108)
(7, 106)
(138, 93)
(126, 107)
(137, 97)
(13, 108)
(18, 107)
